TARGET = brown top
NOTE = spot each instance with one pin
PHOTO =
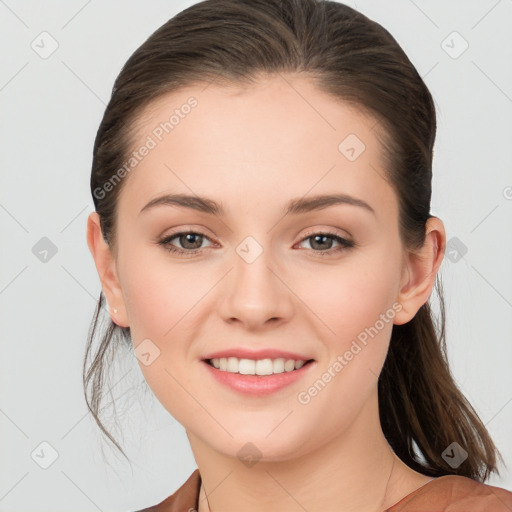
(443, 494)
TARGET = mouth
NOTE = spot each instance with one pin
(257, 374)
(257, 367)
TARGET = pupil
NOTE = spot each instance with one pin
(189, 238)
(321, 238)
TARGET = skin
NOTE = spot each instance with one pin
(253, 149)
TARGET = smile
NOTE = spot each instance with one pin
(255, 367)
(257, 377)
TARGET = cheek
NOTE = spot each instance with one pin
(351, 297)
(356, 305)
(161, 300)
(159, 294)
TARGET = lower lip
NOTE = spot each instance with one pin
(258, 385)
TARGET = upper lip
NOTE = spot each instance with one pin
(265, 353)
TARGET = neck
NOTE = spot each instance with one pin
(356, 470)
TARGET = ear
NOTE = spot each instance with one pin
(420, 270)
(107, 271)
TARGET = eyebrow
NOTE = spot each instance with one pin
(295, 206)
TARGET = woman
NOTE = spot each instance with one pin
(262, 185)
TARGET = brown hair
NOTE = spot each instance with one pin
(354, 59)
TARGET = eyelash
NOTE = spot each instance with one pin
(345, 244)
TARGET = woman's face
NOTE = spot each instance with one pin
(256, 280)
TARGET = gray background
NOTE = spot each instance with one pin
(51, 109)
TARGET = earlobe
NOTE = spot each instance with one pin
(421, 270)
(107, 272)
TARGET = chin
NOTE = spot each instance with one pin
(256, 445)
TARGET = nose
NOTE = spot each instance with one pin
(255, 292)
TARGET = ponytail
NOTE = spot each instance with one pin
(420, 403)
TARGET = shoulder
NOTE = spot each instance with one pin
(456, 494)
(185, 499)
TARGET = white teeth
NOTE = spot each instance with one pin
(246, 366)
(256, 367)
(263, 367)
(289, 365)
(278, 365)
(232, 365)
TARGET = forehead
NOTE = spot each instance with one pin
(281, 135)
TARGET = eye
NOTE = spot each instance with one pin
(191, 242)
(321, 242)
